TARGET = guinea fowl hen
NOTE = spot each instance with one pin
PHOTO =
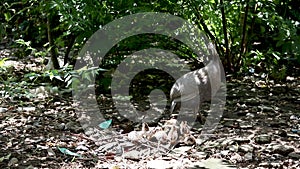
(197, 86)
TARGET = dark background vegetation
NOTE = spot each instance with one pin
(258, 36)
(257, 41)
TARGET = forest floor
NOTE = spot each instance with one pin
(260, 128)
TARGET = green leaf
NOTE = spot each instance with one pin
(7, 16)
(51, 75)
(2, 62)
(102, 70)
(31, 75)
(106, 124)
(5, 157)
(68, 152)
(58, 77)
(275, 55)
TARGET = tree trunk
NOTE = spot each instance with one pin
(227, 52)
(53, 51)
(69, 47)
(244, 33)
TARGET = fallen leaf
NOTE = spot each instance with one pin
(106, 124)
(50, 152)
(5, 157)
(68, 152)
(158, 164)
(213, 163)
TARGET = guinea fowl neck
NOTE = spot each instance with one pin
(214, 73)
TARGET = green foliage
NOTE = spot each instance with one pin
(267, 27)
(245, 32)
(5, 71)
(23, 19)
(2, 63)
(263, 63)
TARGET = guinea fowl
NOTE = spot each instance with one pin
(184, 128)
(173, 135)
(197, 86)
(138, 135)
